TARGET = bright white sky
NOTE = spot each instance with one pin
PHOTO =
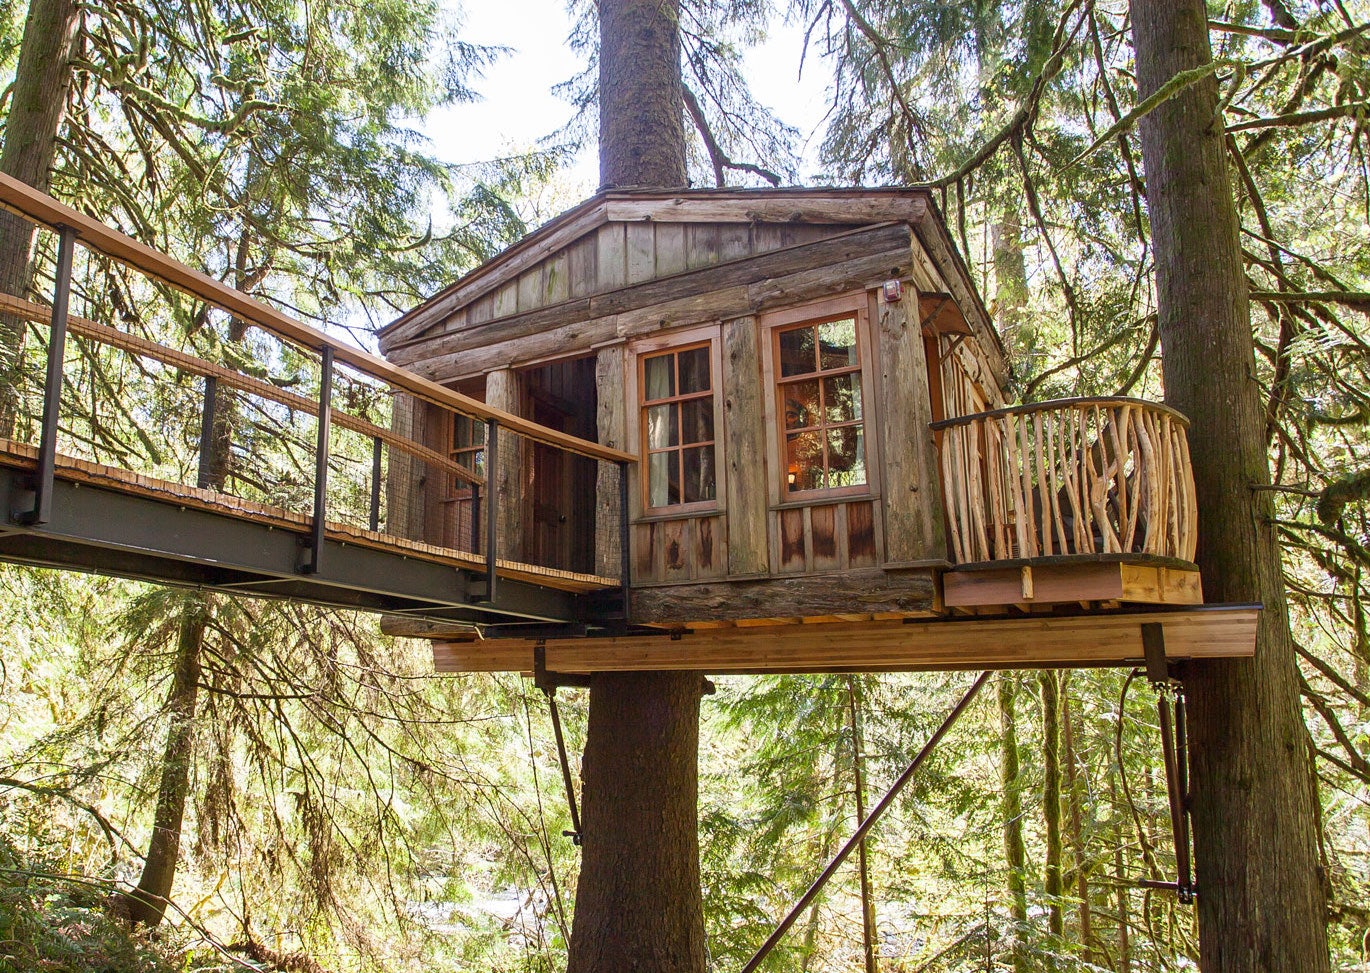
(519, 106)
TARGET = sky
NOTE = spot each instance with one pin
(519, 107)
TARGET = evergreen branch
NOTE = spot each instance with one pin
(1177, 85)
(1354, 108)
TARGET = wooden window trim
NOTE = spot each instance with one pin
(853, 306)
(674, 343)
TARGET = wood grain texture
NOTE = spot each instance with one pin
(745, 449)
(912, 494)
(1099, 639)
(870, 590)
(1065, 583)
(612, 425)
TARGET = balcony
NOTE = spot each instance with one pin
(1075, 500)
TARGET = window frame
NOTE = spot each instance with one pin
(673, 344)
(773, 324)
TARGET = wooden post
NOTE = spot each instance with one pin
(611, 419)
(914, 530)
(506, 484)
(744, 439)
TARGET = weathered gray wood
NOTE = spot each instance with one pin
(530, 289)
(556, 278)
(701, 245)
(796, 597)
(611, 419)
(912, 498)
(641, 243)
(670, 249)
(611, 260)
(405, 491)
(502, 391)
(507, 300)
(865, 249)
(402, 626)
(583, 266)
(744, 441)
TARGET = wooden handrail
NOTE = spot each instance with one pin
(133, 344)
(41, 208)
(1055, 405)
(1072, 477)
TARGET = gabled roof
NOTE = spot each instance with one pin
(834, 206)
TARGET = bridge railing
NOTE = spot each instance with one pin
(120, 366)
(1068, 477)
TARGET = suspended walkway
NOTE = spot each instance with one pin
(156, 423)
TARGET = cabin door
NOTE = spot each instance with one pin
(560, 512)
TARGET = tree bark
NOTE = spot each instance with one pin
(1051, 805)
(38, 104)
(148, 902)
(868, 930)
(641, 119)
(1015, 851)
(1261, 905)
(1077, 833)
(638, 903)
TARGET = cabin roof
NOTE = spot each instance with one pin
(839, 207)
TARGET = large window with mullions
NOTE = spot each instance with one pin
(819, 407)
(677, 408)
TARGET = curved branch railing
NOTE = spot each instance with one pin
(1068, 477)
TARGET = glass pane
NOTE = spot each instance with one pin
(694, 370)
(804, 461)
(800, 403)
(837, 344)
(846, 457)
(697, 420)
(797, 352)
(661, 427)
(663, 486)
(842, 398)
(658, 377)
(699, 474)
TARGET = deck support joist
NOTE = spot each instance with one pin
(914, 644)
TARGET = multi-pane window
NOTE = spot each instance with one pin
(468, 448)
(678, 426)
(818, 390)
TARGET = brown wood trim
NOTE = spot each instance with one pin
(1053, 405)
(1067, 641)
(31, 204)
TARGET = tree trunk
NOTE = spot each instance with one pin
(868, 931)
(638, 904)
(1077, 833)
(1051, 804)
(641, 120)
(638, 901)
(1260, 902)
(1015, 851)
(38, 104)
(147, 903)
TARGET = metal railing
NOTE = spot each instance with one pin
(124, 368)
(1068, 477)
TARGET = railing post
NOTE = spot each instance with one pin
(206, 475)
(321, 462)
(624, 555)
(52, 384)
(475, 517)
(374, 521)
(492, 507)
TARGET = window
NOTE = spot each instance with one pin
(818, 397)
(678, 426)
(467, 449)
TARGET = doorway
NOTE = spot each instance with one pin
(560, 509)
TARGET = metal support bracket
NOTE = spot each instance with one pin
(1175, 752)
(545, 681)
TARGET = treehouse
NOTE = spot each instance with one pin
(815, 398)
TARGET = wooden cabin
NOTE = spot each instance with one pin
(816, 395)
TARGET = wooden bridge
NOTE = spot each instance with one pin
(156, 423)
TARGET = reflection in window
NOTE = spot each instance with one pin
(468, 449)
(678, 426)
(819, 390)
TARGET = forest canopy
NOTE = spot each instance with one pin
(340, 808)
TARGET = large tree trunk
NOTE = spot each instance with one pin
(638, 901)
(1261, 904)
(148, 902)
(1015, 849)
(38, 103)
